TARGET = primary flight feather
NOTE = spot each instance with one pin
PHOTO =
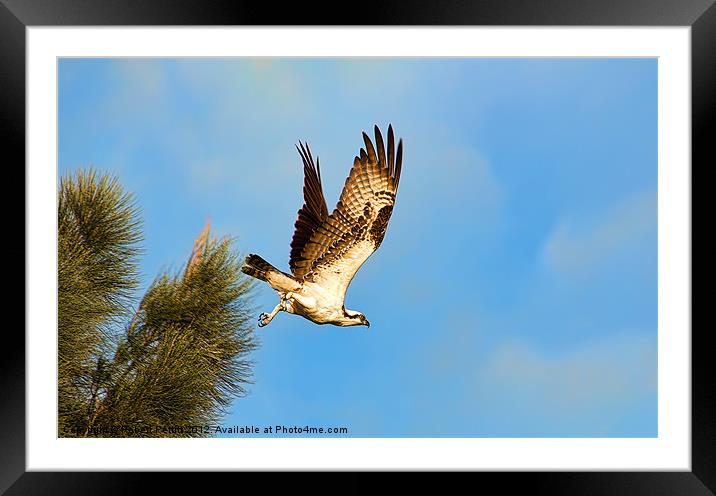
(328, 249)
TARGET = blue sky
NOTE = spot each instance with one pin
(515, 293)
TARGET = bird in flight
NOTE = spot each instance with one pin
(328, 249)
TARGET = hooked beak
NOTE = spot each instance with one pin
(367, 323)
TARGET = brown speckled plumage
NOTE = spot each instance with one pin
(328, 249)
(322, 242)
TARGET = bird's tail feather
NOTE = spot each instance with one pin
(257, 267)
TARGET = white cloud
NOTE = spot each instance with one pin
(137, 90)
(578, 246)
(449, 180)
(141, 77)
(599, 386)
(599, 376)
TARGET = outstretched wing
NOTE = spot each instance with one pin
(312, 214)
(344, 240)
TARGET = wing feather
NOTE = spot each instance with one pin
(313, 212)
(345, 239)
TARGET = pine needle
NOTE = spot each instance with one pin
(179, 359)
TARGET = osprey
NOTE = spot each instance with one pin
(327, 250)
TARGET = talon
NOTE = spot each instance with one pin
(263, 319)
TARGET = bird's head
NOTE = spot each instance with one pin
(353, 318)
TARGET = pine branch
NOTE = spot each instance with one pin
(182, 357)
(185, 359)
(98, 232)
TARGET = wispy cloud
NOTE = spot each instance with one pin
(597, 375)
(580, 245)
(517, 387)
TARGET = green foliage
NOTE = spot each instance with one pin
(97, 248)
(179, 359)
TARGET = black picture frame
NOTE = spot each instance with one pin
(16, 15)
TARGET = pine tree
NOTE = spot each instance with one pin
(174, 362)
